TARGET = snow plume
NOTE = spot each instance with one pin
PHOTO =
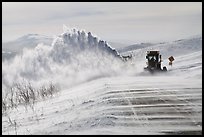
(74, 57)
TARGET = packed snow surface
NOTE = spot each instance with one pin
(102, 94)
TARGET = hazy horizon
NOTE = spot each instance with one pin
(122, 22)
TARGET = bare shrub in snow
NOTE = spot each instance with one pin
(25, 94)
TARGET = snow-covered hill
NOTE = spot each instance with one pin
(26, 41)
(178, 47)
(175, 48)
(101, 94)
(135, 47)
(30, 41)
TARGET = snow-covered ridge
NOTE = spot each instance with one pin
(193, 42)
(27, 41)
(34, 36)
(174, 48)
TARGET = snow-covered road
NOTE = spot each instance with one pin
(117, 105)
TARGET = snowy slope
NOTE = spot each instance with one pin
(178, 47)
(117, 45)
(30, 41)
(101, 94)
(135, 47)
(26, 41)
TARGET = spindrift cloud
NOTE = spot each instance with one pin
(75, 56)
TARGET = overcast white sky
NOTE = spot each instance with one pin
(130, 22)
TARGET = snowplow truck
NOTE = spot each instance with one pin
(154, 62)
